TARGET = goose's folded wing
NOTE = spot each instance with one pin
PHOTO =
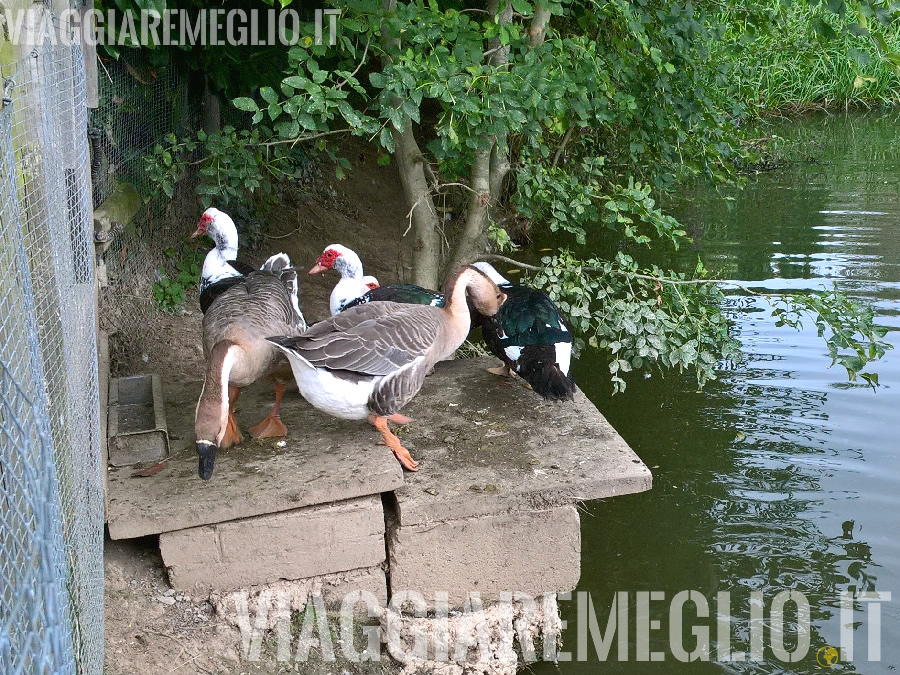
(369, 341)
(259, 302)
(398, 388)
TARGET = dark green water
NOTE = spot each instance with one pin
(780, 476)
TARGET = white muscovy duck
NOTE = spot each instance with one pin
(346, 263)
(355, 289)
(530, 336)
(371, 360)
(235, 328)
(221, 268)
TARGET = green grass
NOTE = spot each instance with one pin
(794, 66)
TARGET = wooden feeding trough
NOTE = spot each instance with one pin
(137, 421)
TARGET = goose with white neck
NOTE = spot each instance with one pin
(371, 360)
(234, 331)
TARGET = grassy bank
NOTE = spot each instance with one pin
(808, 60)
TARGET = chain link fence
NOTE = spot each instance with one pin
(51, 474)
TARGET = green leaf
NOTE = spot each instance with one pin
(522, 7)
(245, 104)
(269, 95)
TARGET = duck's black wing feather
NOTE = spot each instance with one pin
(409, 294)
(530, 320)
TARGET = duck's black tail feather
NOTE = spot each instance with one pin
(538, 367)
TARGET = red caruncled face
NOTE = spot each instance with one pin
(202, 225)
(326, 261)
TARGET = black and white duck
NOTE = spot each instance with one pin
(235, 327)
(353, 288)
(530, 336)
(371, 360)
(221, 268)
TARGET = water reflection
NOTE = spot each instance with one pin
(780, 476)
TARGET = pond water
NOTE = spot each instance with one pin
(782, 475)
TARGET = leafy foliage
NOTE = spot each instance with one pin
(809, 56)
(641, 321)
(169, 292)
(234, 166)
(596, 113)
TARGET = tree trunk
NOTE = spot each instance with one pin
(473, 239)
(411, 165)
(425, 220)
(537, 29)
(211, 121)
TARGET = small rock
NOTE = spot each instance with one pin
(169, 592)
(165, 599)
(431, 491)
(145, 358)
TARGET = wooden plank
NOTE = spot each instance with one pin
(103, 377)
(92, 90)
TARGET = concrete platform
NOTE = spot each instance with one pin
(532, 552)
(325, 460)
(298, 544)
(485, 446)
(492, 446)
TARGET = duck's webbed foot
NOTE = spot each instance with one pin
(396, 418)
(271, 426)
(502, 371)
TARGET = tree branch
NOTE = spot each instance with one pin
(303, 139)
(631, 275)
(537, 29)
(562, 146)
(360, 65)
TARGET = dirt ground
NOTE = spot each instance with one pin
(151, 629)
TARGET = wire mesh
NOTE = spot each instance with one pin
(140, 103)
(51, 489)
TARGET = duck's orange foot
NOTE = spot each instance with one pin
(390, 440)
(232, 434)
(271, 427)
(502, 371)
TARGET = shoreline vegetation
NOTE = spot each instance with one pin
(809, 60)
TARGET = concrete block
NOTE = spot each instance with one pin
(296, 593)
(296, 544)
(532, 552)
